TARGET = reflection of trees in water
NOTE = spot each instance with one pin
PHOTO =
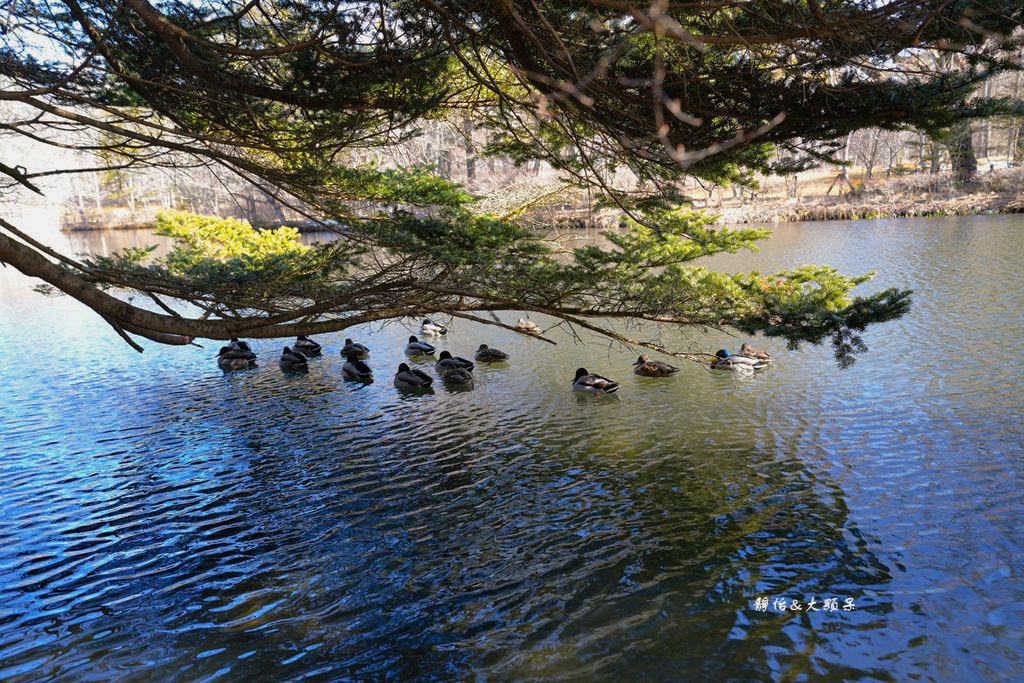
(584, 546)
(106, 242)
(657, 553)
(508, 540)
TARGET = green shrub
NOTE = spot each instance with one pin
(201, 242)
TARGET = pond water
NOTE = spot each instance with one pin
(161, 519)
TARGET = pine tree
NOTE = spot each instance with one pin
(282, 93)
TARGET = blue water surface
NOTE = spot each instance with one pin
(160, 519)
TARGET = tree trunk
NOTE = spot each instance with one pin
(444, 164)
(986, 128)
(961, 153)
(895, 154)
(467, 131)
(77, 184)
(131, 192)
(1018, 142)
(936, 158)
(872, 154)
(1016, 136)
(792, 186)
(844, 172)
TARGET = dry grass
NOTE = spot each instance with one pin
(913, 195)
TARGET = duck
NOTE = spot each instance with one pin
(233, 359)
(653, 368)
(594, 384)
(486, 354)
(430, 327)
(449, 361)
(292, 360)
(528, 326)
(754, 352)
(306, 346)
(727, 361)
(239, 345)
(418, 348)
(352, 347)
(356, 369)
(455, 375)
(407, 378)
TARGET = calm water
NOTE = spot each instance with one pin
(160, 519)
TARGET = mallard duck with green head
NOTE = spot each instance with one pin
(727, 361)
(593, 383)
(429, 327)
(415, 347)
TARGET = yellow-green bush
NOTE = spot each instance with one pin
(203, 241)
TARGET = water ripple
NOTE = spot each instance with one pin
(161, 519)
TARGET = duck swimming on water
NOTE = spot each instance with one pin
(352, 347)
(430, 327)
(356, 369)
(754, 352)
(418, 348)
(449, 361)
(306, 345)
(593, 384)
(486, 354)
(455, 375)
(727, 361)
(653, 368)
(407, 378)
(525, 325)
(233, 359)
(292, 360)
(239, 345)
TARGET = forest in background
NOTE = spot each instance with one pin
(884, 172)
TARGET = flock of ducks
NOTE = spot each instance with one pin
(455, 370)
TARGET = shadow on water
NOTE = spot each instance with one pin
(273, 526)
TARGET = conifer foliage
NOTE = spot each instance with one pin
(283, 93)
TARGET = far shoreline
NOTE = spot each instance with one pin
(900, 196)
